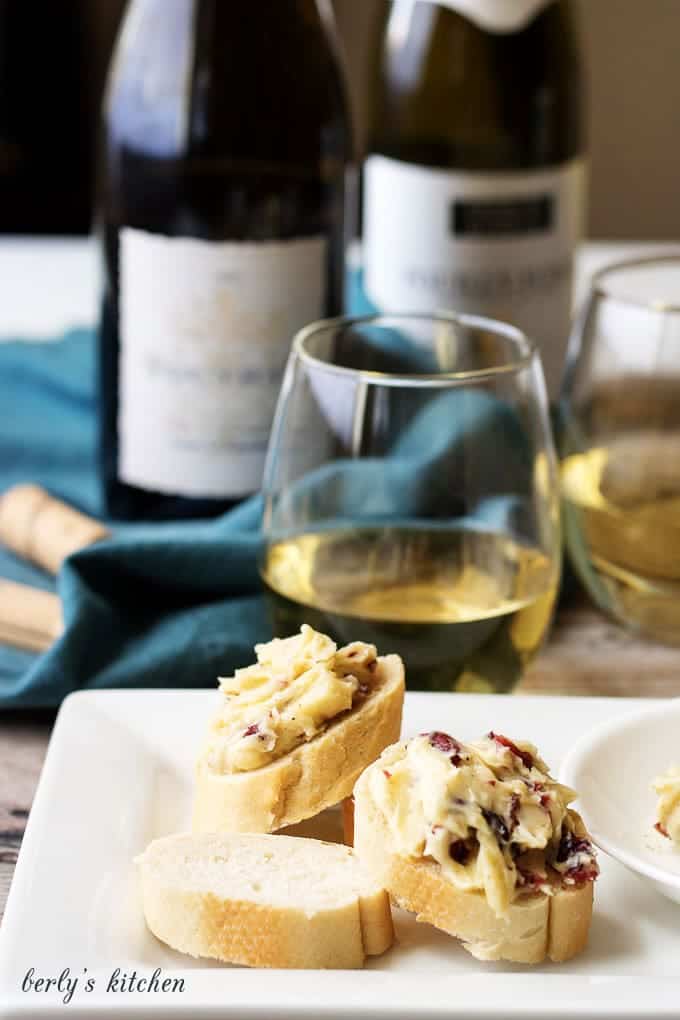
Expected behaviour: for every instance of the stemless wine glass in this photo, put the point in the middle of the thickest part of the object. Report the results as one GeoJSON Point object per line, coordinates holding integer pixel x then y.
{"type": "Point", "coordinates": [620, 471]}
{"type": "Point", "coordinates": [411, 495]}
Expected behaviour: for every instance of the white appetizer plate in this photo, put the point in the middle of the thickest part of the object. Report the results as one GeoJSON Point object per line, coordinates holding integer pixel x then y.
{"type": "Point", "coordinates": [118, 773]}
{"type": "Point", "coordinates": [612, 766]}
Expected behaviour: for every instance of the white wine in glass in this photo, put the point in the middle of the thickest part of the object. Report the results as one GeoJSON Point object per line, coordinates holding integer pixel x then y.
{"type": "Point", "coordinates": [620, 471]}
{"type": "Point", "coordinates": [424, 519]}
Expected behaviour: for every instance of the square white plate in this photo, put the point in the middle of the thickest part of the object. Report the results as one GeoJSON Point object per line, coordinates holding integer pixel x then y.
{"type": "Point", "coordinates": [118, 773]}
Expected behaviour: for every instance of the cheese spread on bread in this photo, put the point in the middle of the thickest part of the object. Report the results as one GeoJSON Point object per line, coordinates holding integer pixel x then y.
{"type": "Point", "coordinates": [667, 786]}
{"type": "Point", "coordinates": [487, 812]}
{"type": "Point", "coordinates": [296, 687]}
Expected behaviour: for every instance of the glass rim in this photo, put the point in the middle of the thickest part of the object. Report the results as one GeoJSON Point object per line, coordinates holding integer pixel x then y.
{"type": "Point", "coordinates": [505, 329]}
{"type": "Point", "coordinates": [598, 290]}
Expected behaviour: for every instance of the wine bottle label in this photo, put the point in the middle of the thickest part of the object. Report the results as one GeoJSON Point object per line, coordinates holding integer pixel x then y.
{"type": "Point", "coordinates": [495, 244]}
{"type": "Point", "coordinates": [205, 330]}
{"type": "Point", "coordinates": [494, 15]}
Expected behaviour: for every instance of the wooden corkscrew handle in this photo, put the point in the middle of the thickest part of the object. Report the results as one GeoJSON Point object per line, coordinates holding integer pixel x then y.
{"type": "Point", "coordinates": [29, 617]}
{"type": "Point", "coordinates": [40, 528]}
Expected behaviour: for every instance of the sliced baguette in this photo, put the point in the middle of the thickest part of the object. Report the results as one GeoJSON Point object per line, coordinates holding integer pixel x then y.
{"type": "Point", "coordinates": [538, 925]}
{"type": "Point", "coordinates": [309, 778]}
{"type": "Point", "coordinates": [263, 901]}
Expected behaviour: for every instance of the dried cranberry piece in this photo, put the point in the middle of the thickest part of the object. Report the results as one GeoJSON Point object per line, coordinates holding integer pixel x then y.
{"type": "Point", "coordinates": [583, 873]}
{"type": "Point", "coordinates": [497, 825]}
{"type": "Point", "coordinates": [442, 741]}
{"type": "Point", "coordinates": [459, 851]}
{"type": "Point", "coordinates": [533, 879]}
{"type": "Point", "coordinates": [387, 775]}
{"type": "Point", "coordinates": [544, 800]}
{"type": "Point", "coordinates": [253, 728]}
{"type": "Point", "coordinates": [446, 744]}
{"type": "Point", "coordinates": [514, 810]}
{"type": "Point", "coordinates": [662, 829]}
{"type": "Point", "coordinates": [571, 844]}
{"type": "Point", "coordinates": [524, 756]}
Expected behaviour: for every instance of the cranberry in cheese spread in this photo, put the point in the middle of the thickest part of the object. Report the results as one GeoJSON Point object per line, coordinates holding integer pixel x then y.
{"type": "Point", "coordinates": [667, 787]}
{"type": "Point", "coordinates": [487, 812]}
{"type": "Point", "coordinates": [296, 687]}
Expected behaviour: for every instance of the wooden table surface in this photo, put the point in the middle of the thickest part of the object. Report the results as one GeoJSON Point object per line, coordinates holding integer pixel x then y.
{"type": "Point", "coordinates": [587, 655]}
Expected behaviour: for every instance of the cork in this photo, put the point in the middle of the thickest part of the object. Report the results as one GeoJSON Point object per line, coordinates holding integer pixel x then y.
{"type": "Point", "coordinates": [38, 527]}
{"type": "Point", "coordinates": [29, 618]}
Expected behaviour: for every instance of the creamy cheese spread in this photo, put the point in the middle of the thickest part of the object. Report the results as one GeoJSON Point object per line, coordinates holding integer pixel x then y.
{"type": "Point", "coordinates": [297, 685]}
{"type": "Point", "coordinates": [487, 812]}
{"type": "Point", "coordinates": [667, 787]}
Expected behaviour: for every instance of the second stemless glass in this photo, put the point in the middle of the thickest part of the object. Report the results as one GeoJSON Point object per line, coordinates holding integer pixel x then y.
{"type": "Point", "coordinates": [411, 497]}
{"type": "Point", "coordinates": [620, 471]}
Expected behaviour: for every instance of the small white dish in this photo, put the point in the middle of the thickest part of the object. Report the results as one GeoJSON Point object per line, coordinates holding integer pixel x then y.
{"type": "Point", "coordinates": [613, 766]}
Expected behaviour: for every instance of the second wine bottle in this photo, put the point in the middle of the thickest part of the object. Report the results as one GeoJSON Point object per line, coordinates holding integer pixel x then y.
{"type": "Point", "coordinates": [222, 215]}
{"type": "Point", "coordinates": [474, 180]}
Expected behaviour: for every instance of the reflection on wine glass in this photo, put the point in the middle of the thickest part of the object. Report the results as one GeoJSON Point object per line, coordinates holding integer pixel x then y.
{"type": "Point", "coordinates": [620, 471]}
{"type": "Point", "coordinates": [411, 497]}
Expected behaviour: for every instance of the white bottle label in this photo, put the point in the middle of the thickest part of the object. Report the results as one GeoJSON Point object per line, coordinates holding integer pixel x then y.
{"type": "Point", "coordinates": [495, 244]}
{"type": "Point", "coordinates": [205, 330]}
{"type": "Point", "coordinates": [493, 15]}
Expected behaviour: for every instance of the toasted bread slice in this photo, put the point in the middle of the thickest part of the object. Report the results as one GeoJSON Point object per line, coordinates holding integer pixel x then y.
{"type": "Point", "coordinates": [311, 777]}
{"type": "Point", "coordinates": [264, 901]}
{"type": "Point", "coordinates": [538, 925]}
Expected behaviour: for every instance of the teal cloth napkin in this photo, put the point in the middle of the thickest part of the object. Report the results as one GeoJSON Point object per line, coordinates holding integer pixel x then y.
{"type": "Point", "coordinates": [176, 605]}
{"type": "Point", "coordinates": [154, 606]}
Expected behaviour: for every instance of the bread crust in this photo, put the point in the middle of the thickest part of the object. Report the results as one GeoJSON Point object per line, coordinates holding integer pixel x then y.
{"type": "Point", "coordinates": [538, 925]}
{"type": "Point", "coordinates": [348, 821]}
{"type": "Point", "coordinates": [309, 778]}
{"type": "Point", "coordinates": [238, 930]}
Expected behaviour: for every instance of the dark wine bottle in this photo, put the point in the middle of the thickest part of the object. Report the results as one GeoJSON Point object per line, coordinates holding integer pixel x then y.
{"type": "Point", "coordinates": [222, 216]}
{"type": "Point", "coordinates": [474, 180]}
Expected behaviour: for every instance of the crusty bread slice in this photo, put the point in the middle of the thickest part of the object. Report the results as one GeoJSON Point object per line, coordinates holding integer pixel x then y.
{"type": "Point", "coordinates": [263, 901]}
{"type": "Point", "coordinates": [309, 778]}
{"type": "Point", "coordinates": [538, 925]}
